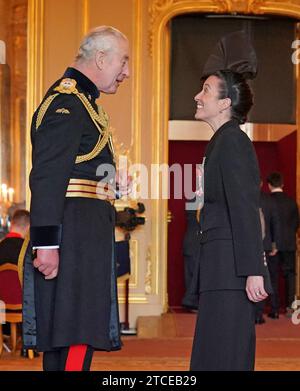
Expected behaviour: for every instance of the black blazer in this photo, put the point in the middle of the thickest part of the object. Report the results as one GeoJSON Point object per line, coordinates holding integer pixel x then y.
{"type": "Point", "coordinates": [289, 221]}
{"type": "Point", "coordinates": [272, 223]}
{"type": "Point", "coordinates": [231, 237]}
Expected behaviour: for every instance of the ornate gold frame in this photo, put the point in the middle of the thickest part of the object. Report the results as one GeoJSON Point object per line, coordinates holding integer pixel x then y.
{"type": "Point", "coordinates": [161, 12]}
{"type": "Point", "coordinates": [35, 50]}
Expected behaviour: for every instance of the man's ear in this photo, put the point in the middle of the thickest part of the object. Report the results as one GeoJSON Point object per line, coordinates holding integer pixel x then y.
{"type": "Point", "coordinates": [99, 59]}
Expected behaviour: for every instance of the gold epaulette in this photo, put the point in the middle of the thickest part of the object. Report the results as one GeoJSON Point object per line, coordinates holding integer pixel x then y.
{"type": "Point", "coordinates": [67, 86]}
{"type": "Point", "coordinates": [100, 120]}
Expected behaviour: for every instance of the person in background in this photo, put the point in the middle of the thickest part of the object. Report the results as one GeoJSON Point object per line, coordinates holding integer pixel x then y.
{"type": "Point", "coordinates": [288, 213]}
{"type": "Point", "coordinates": [11, 245]}
{"type": "Point", "coordinates": [10, 248]}
{"type": "Point", "coordinates": [190, 246]}
{"type": "Point", "coordinates": [270, 238]}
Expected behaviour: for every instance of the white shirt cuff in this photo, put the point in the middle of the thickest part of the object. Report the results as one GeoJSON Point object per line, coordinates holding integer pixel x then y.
{"type": "Point", "coordinates": [45, 247]}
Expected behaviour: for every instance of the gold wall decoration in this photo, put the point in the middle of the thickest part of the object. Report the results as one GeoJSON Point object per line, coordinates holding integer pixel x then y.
{"type": "Point", "coordinates": [85, 16]}
{"type": "Point", "coordinates": [137, 71]}
{"type": "Point", "coordinates": [134, 258]}
{"type": "Point", "coordinates": [35, 50]}
{"type": "Point", "coordinates": [18, 74]}
{"type": "Point", "coordinates": [148, 276]}
{"type": "Point", "coordinates": [161, 12]}
{"type": "Point", "coordinates": [13, 74]}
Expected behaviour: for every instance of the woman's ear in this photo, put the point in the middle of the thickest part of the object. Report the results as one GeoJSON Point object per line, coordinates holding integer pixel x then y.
{"type": "Point", "coordinates": [224, 103]}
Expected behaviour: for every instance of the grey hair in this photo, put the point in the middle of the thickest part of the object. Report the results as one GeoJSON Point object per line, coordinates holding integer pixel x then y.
{"type": "Point", "coordinates": [100, 38]}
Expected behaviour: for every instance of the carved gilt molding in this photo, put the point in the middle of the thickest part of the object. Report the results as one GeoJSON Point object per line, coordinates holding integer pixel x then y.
{"type": "Point", "coordinates": [148, 277]}
{"type": "Point", "coordinates": [161, 11]}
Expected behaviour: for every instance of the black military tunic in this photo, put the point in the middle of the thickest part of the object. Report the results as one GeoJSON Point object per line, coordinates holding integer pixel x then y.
{"type": "Point", "coordinates": [79, 306]}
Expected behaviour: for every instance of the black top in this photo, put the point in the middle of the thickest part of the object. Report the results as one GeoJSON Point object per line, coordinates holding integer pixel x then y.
{"type": "Point", "coordinates": [287, 210]}
{"type": "Point", "coordinates": [272, 224]}
{"type": "Point", "coordinates": [10, 249]}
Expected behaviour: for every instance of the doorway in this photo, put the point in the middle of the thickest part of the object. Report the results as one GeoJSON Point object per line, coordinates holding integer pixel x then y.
{"type": "Point", "coordinates": [272, 156]}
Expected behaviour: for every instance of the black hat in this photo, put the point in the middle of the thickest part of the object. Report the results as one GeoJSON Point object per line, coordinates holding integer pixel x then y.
{"type": "Point", "coordinates": [234, 52]}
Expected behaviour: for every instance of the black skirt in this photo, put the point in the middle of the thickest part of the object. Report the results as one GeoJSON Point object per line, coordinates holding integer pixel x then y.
{"type": "Point", "coordinates": [80, 305]}
{"type": "Point", "coordinates": [225, 332]}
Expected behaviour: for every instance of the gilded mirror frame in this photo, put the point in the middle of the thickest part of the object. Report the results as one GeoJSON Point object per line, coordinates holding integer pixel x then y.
{"type": "Point", "coordinates": [161, 12]}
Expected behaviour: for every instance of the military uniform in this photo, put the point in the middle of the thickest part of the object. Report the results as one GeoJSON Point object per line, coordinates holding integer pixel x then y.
{"type": "Point", "coordinates": [70, 139]}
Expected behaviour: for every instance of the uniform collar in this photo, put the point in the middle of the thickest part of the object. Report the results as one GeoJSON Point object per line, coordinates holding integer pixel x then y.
{"type": "Point", "coordinates": [85, 83]}
{"type": "Point", "coordinates": [13, 235]}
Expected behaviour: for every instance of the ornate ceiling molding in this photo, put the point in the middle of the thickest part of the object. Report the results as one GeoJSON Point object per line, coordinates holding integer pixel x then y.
{"type": "Point", "coordinates": [158, 8]}
{"type": "Point", "coordinates": [161, 11]}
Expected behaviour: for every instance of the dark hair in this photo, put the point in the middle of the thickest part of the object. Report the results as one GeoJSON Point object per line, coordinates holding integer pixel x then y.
{"type": "Point", "coordinates": [234, 86]}
{"type": "Point", "coordinates": [21, 218]}
{"type": "Point", "coordinates": [275, 179]}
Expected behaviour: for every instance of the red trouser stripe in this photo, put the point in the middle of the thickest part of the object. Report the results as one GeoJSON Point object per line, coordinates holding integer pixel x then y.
{"type": "Point", "coordinates": [75, 358]}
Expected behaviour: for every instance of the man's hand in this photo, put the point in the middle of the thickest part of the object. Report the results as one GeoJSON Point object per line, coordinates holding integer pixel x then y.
{"type": "Point", "coordinates": [47, 262]}
{"type": "Point", "coordinates": [255, 288]}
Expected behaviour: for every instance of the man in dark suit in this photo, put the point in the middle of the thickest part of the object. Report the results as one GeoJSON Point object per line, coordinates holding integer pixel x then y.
{"type": "Point", "coordinates": [271, 233]}
{"type": "Point", "coordinates": [288, 213]}
{"type": "Point", "coordinates": [190, 245]}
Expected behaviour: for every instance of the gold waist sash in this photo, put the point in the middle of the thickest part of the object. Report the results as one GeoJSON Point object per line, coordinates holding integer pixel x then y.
{"type": "Point", "coordinates": [90, 189]}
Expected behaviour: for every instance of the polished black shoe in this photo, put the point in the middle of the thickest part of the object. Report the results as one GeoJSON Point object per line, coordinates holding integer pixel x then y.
{"type": "Point", "coordinates": [273, 315]}
{"type": "Point", "coordinates": [260, 320]}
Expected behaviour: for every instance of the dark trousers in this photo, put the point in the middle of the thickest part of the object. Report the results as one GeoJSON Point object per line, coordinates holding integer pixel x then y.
{"type": "Point", "coordinates": [55, 360]}
{"type": "Point", "coordinates": [189, 300]}
{"type": "Point", "coordinates": [286, 260]}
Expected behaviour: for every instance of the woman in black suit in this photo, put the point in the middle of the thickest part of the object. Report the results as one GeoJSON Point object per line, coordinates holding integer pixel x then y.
{"type": "Point", "coordinates": [231, 260]}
